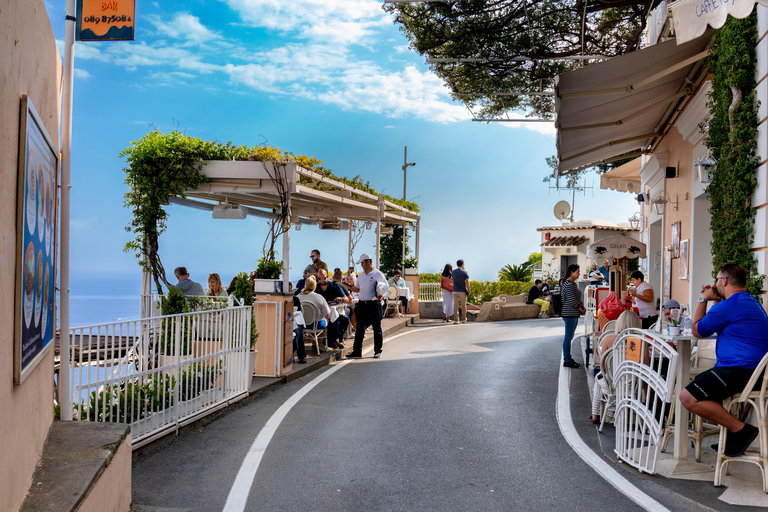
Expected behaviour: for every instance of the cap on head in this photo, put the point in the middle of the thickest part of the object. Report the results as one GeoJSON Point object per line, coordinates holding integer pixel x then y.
{"type": "Point", "coordinates": [363, 257]}
{"type": "Point", "coordinates": [671, 304]}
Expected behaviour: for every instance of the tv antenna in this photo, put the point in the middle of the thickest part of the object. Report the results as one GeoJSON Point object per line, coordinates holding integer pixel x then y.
{"type": "Point", "coordinates": [575, 188]}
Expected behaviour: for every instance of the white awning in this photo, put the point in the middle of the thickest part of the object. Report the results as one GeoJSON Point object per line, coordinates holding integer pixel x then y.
{"type": "Point", "coordinates": [691, 17]}
{"type": "Point", "coordinates": [625, 178]}
{"type": "Point", "coordinates": [616, 247]}
{"type": "Point", "coordinates": [621, 107]}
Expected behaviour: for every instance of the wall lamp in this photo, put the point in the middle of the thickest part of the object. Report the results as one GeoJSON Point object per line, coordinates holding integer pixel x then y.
{"type": "Point", "coordinates": [659, 203]}
{"type": "Point", "coordinates": [706, 166]}
{"type": "Point", "coordinates": [635, 220]}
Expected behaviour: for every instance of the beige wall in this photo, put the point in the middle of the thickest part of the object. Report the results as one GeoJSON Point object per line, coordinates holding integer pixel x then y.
{"type": "Point", "coordinates": [680, 155]}
{"type": "Point", "coordinates": [112, 491]}
{"type": "Point", "coordinates": [31, 65]}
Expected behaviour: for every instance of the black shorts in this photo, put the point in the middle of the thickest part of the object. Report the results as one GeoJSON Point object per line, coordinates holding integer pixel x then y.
{"type": "Point", "coordinates": [717, 384]}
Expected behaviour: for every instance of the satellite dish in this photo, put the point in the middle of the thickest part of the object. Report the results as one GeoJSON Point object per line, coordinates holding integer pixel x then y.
{"type": "Point", "coordinates": [562, 209]}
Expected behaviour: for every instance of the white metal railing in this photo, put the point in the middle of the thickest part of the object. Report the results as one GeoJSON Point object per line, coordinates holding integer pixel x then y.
{"type": "Point", "coordinates": [160, 373]}
{"type": "Point", "coordinates": [151, 303]}
{"type": "Point", "coordinates": [430, 291]}
{"type": "Point", "coordinates": [645, 367]}
{"type": "Point", "coordinates": [590, 305]}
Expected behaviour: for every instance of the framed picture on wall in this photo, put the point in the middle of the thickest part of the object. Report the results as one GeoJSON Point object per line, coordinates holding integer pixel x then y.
{"type": "Point", "coordinates": [36, 243]}
{"type": "Point", "coordinates": [667, 273]}
{"type": "Point", "coordinates": [676, 239]}
{"type": "Point", "coordinates": [683, 262]}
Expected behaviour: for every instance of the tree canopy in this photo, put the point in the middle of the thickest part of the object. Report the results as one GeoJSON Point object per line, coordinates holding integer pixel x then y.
{"type": "Point", "coordinates": [511, 46]}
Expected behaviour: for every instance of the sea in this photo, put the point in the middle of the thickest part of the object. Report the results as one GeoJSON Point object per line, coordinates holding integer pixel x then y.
{"type": "Point", "coordinates": [102, 298]}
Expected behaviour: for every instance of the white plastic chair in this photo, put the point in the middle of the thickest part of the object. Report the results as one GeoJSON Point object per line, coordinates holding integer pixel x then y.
{"type": "Point", "coordinates": [758, 400]}
{"type": "Point", "coordinates": [312, 319]}
{"type": "Point", "coordinates": [393, 301]}
{"type": "Point", "coordinates": [642, 390]}
{"type": "Point", "coordinates": [607, 392]}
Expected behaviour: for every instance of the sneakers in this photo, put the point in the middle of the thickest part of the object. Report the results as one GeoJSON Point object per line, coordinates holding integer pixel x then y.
{"type": "Point", "coordinates": [353, 356]}
{"type": "Point", "coordinates": [571, 364]}
{"type": "Point", "coordinates": [738, 442]}
{"type": "Point", "coordinates": [455, 322]}
{"type": "Point", "coordinates": [377, 355]}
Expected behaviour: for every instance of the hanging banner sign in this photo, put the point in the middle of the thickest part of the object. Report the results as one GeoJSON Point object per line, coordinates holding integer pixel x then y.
{"type": "Point", "coordinates": [105, 21]}
{"type": "Point", "coordinates": [691, 17]}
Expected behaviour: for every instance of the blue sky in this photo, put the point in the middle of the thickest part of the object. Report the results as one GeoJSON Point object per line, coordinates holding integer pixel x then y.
{"type": "Point", "coordinates": [329, 78]}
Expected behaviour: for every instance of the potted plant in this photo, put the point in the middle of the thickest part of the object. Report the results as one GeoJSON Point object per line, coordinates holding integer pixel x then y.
{"type": "Point", "coordinates": [674, 322]}
{"type": "Point", "coordinates": [266, 277]}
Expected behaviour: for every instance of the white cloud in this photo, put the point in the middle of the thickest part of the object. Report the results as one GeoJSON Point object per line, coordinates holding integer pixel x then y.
{"type": "Point", "coordinates": [545, 128]}
{"type": "Point", "coordinates": [184, 26]}
{"type": "Point", "coordinates": [82, 74]}
{"type": "Point", "coordinates": [344, 21]}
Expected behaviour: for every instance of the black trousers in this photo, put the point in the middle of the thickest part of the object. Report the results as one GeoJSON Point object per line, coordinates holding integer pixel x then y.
{"type": "Point", "coordinates": [368, 313]}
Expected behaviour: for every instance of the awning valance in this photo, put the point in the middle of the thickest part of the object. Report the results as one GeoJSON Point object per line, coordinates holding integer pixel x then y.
{"type": "Point", "coordinates": [622, 106]}
{"type": "Point", "coordinates": [625, 178]}
{"type": "Point", "coordinates": [616, 247]}
{"type": "Point", "coordinates": [564, 241]}
{"type": "Point", "coordinates": [691, 17]}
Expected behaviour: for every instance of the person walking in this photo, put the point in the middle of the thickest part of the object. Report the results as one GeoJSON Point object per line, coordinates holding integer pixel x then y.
{"type": "Point", "coordinates": [573, 308]}
{"type": "Point", "coordinates": [460, 291]}
{"type": "Point", "coordinates": [371, 286]}
{"type": "Point", "coordinates": [446, 284]}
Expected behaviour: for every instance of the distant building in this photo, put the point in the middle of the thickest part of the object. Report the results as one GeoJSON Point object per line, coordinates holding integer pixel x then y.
{"type": "Point", "coordinates": [567, 244]}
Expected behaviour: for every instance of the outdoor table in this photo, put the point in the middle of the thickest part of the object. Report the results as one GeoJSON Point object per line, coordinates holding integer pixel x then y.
{"type": "Point", "coordinates": [406, 292]}
{"type": "Point", "coordinates": [683, 343]}
{"type": "Point", "coordinates": [336, 311]}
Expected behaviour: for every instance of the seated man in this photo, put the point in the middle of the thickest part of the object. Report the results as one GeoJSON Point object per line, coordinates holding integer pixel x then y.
{"type": "Point", "coordinates": [534, 297]}
{"type": "Point", "coordinates": [595, 277]}
{"type": "Point", "coordinates": [332, 292]}
{"type": "Point", "coordinates": [741, 324]}
{"type": "Point", "coordinates": [605, 271]}
{"type": "Point", "coordinates": [546, 289]}
{"type": "Point", "coordinates": [399, 282]}
{"type": "Point", "coordinates": [188, 287]}
{"type": "Point", "coordinates": [338, 278]}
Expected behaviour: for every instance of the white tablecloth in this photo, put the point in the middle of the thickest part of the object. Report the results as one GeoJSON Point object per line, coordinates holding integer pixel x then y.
{"type": "Point", "coordinates": [405, 292]}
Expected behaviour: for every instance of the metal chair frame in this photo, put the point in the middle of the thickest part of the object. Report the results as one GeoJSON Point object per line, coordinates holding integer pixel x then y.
{"type": "Point", "coordinates": [312, 319]}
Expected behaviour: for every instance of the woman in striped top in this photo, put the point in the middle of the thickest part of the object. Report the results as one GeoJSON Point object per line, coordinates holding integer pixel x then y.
{"type": "Point", "coordinates": [573, 308]}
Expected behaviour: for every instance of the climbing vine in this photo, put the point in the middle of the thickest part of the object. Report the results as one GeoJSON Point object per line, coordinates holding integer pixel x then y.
{"type": "Point", "coordinates": [732, 140]}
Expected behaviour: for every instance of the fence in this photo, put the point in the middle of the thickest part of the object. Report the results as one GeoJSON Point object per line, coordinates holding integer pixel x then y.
{"type": "Point", "coordinates": [160, 373]}
{"type": "Point", "coordinates": [644, 378]}
{"type": "Point", "coordinates": [430, 291]}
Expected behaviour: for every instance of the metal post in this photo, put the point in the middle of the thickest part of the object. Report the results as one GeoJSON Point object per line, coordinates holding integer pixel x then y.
{"type": "Point", "coordinates": [349, 244]}
{"type": "Point", "coordinates": [418, 227]}
{"type": "Point", "coordinates": [287, 238]}
{"type": "Point", "coordinates": [65, 393]}
{"type": "Point", "coordinates": [378, 232]}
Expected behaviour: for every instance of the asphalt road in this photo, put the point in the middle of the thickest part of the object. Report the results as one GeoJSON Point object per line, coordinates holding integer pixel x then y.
{"type": "Point", "coordinates": [450, 418]}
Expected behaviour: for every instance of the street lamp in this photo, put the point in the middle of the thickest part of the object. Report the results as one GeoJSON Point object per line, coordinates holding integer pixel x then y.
{"type": "Point", "coordinates": [634, 221]}
{"type": "Point", "coordinates": [405, 174]}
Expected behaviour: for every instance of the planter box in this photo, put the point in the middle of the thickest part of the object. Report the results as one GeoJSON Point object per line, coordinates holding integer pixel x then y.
{"type": "Point", "coordinates": [411, 271]}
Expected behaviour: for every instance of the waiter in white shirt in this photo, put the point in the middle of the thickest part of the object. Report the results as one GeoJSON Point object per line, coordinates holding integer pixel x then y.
{"type": "Point", "coordinates": [371, 284]}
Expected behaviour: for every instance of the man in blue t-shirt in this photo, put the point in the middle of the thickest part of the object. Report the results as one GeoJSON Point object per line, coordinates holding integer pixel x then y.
{"type": "Point", "coordinates": [460, 292]}
{"type": "Point", "coordinates": [741, 324]}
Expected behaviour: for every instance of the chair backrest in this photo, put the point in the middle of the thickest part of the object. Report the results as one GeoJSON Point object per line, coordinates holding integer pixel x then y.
{"type": "Point", "coordinates": [610, 326]}
{"type": "Point", "coordinates": [394, 293]}
{"type": "Point", "coordinates": [311, 315]}
{"type": "Point", "coordinates": [759, 371]}
{"type": "Point", "coordinates": [643, 384]}
{"type": "Point", "coordinates": [606, 367]}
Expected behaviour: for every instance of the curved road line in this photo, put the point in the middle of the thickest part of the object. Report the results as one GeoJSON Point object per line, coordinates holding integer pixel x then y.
{"type": "Point", "coordinates": [238, 494]}
{"type": "Point", "coordinates": [609, 474]}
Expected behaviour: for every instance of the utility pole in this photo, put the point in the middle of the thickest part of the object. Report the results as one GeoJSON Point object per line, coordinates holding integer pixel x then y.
{"type": "Point", "coordinates": [405, 174]}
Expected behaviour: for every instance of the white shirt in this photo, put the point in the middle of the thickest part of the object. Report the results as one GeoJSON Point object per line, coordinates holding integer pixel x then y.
{"type": "Point", "coordinates": [645, 309]}
{"type": "Point", "coordinates": [366, 282]}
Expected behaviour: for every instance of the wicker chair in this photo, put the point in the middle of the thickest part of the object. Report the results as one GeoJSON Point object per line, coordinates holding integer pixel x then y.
{"type": "Point", "coordinates": [758, 400]}
{"type": "Point", "coordinates": [312, 327]}
{"type": "Point", "coordinates": [393, 301]}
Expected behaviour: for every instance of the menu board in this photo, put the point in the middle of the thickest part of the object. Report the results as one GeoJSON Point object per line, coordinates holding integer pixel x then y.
{"type": "Point", "coordinates": [36, 238]}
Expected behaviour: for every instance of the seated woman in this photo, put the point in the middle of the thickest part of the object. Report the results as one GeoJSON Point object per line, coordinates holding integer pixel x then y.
{"type": "Point", "coordinates": [214, 286]}
{"type": "Point", "coordinates": [627, 320]}
{"type": "Point", "coordinates": [399, 282]}
{"type": "Point", "coordinates": [308, 294]}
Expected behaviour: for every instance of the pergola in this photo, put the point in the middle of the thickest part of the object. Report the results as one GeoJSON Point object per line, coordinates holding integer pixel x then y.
{"type": "Point", "coordinates": [237, 189]}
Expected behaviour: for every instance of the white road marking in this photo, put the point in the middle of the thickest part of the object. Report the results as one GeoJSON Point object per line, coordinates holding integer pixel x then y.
{"type": "Point", "coordinates": [238, 494]}
{"type": "Point", "coordinates": [612, 476]}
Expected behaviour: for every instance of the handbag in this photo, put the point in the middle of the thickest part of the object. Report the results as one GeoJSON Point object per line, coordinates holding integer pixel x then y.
{"type": "Point", "coordinates": [446, 283]}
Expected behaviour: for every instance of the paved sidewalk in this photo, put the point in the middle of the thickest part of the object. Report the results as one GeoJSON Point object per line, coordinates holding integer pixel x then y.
{"type": "Point", "coordinates": [743, 488]}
